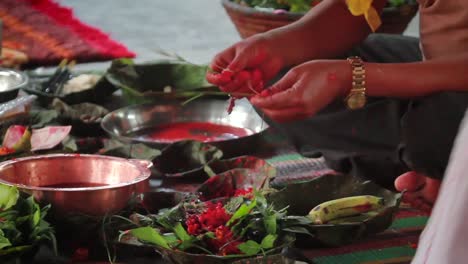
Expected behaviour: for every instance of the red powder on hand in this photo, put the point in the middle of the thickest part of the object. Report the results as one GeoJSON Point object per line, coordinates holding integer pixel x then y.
{"type": "Point", "coordinates": [332, 76]}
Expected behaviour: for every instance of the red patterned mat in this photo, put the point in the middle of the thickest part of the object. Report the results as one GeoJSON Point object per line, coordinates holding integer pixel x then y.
{"type": "Point", "coordinates": [47, 33]}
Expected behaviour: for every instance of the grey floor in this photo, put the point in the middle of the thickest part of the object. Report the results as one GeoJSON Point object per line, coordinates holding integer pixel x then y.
{"type": "Point", "coordinates": [195, 29]}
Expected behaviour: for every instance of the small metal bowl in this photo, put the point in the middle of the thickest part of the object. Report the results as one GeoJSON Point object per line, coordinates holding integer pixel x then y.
{"type": "Point", "coordinates": [77, 184]}
{"type": "Point", "coordinates": [130, 124]}
{"type": "Point", "coordinates": [10, 83]}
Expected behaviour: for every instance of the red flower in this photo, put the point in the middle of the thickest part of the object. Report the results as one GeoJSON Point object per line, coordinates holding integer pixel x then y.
{"type": "Point", "coordinates": [224, 242]}
{"type": "Point", "coordinates": [214, 219]}
{"type": "Point", "coordinates": [193, 226]}
{"type": "Point", "coordinates": [247, 192]}
{"type": "Point", "coordinates": [214, 216]}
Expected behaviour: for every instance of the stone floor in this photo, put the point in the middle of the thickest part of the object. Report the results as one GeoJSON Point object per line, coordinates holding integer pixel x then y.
{"type": "Point", "coordinates": [195, 29]}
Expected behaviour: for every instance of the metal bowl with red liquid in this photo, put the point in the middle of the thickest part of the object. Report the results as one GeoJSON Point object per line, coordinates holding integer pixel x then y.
{"type": "Point", "coordinates": [78, 184]}
{"type": "Point", "coordinates": [162, 123]}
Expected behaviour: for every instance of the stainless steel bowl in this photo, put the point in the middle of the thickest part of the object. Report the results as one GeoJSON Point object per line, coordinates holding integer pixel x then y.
{"type": "Point", "coordinates": [130, 123]}
{"type": "Point", "coordinates": [10, 83]}
{"type": "Point", "coordinates": [91, 185]}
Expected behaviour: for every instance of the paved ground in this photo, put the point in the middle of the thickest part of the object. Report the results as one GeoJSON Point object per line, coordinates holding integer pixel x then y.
{"type": "Point", "coordinates": [195, 29]}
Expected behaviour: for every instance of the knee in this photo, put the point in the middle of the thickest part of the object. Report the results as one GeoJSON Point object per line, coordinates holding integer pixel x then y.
{"type": "Point", "coordinates": [429, 128]}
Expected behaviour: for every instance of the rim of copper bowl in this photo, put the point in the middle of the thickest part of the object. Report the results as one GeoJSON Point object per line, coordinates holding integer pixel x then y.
{"type": "Point", "coordinates": [142, 165]}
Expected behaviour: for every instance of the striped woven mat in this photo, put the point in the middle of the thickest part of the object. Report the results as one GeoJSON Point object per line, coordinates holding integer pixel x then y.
{"type": "Point", "coordinates": [396, 245]}
{"type": "Point", "coordinates": [46, 33]}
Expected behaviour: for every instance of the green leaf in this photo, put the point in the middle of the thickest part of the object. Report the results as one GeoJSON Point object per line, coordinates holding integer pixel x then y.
{"type": "Point", "coordinates": [36, 218]}
{"type": "Point", "coordinates": [179, 230]}
{"type": "Point", "coordinates": [243, 211]}
{"type": "Point", "coordinates": [298, 5]}
{"type": "Point", "coordinates": [268, 241]}
{"type": "Point", "coordinates": [13, 250]}
{"type": "Point", "coordinates": [186, 239]}
{"type": "Point", "coordinates": [297, 230]}
{"type": "Point", "coordinates": [42, 118]}
{"type": "Point", "coordinates": [250, 248]}
{"type": "Point", "coordinates": [4, 242]}
{"type": "Point", "coordinates": [136, 80]}
{"type": "Point", "coordinates": [270, 223]}
{"type": "Point", "coordinates": [134, 151]}
{"type": "Point", "coordinates": [396, 3]}
{"type": "Point", "coordinates": [233, 204]}
{"type": "Point", "coordinates": [150, 235]}
{"type": "Point", "coordinates": [171, 239]}
{"type": "Point", "coordinates": [8, 196]}
{"type": "Point", "coordinates": [210, 235]}
{"type": "Point", "coordinates": [69, 144]}
{"type": "Point", "coordinates": [170, 217]}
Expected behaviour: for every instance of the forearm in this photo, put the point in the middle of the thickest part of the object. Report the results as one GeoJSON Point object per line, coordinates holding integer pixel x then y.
{"type": "Point", "coordinates": [416, 79]}
{"type": "Point", "coordinates": [327, 31]}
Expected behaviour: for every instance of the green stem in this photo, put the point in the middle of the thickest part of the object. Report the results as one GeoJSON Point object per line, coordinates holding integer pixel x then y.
{"type": "Point", "coordinates": [203, 249]}
{"type": "Point", "coordinates": [193, 98]}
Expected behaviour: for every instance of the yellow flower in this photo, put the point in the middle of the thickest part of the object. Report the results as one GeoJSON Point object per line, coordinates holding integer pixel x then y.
{"type": "Point", "coordinates": [364, 7]}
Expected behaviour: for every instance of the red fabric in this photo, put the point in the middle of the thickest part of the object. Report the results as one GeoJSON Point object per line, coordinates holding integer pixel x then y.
{"type": "Point", "coordinates": [48, 33]}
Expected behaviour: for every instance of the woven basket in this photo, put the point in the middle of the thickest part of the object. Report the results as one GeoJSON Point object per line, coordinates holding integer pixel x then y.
{"type": "Point", "coordinates": [250, 21]}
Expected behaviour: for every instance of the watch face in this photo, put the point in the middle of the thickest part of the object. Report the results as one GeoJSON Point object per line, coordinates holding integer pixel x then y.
{"type": "Point", "coordinates": [356, 100]}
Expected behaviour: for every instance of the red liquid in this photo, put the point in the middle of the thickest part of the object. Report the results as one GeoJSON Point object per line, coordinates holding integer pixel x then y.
{"type": "Point", "coordinates": [75, 185]}
{"type": "Point", "coordinates": [200, 131]}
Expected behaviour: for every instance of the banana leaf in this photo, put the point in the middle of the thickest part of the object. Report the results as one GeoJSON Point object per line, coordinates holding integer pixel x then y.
{"type": "Point", "coordinates": [302, 197]}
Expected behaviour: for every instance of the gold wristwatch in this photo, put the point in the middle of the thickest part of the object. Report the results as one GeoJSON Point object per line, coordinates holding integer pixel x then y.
{"type": "Point", "coordinates": [357, 95]}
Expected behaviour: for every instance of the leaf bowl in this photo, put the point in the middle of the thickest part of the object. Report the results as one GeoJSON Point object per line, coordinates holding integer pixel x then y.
{"type": "Point", "coordinates": [99, 93]}
{"type": "Point", "coordinates": [236, 174]}
{"type": "Point", "coordinates": [180, 257]}
{"type": "Point", "coordinates": [186, 159]}
{"type": "Point", "coordinates": [301, 197]}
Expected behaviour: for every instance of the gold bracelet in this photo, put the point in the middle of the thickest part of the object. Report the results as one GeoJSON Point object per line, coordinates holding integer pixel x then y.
{"type": "Point", "coordinates": [357, 95]}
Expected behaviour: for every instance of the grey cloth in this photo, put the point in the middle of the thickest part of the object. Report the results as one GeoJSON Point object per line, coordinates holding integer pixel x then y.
{"type": "Point", "coordinates": [388, 136]}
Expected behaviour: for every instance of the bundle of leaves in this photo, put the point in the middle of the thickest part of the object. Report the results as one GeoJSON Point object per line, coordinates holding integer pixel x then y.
{"type": "Point", "coordinates": [243, 225]}
{"type": "Point", "coordinates": [22, 224]}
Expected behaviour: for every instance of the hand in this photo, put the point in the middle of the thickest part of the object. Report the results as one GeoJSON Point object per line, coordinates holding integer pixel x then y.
{"type": "Point", "coordinates": [305, 90]}
{"type": "Point", "coordinates": [246, 65]}
{"type": "Point", "coordinates": [421, 191]}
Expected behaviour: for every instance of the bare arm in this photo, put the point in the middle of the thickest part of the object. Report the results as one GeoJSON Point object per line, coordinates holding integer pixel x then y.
{"type": "Point", "coordinates": [311, 86]}
{"type": "Point", "coordinates": [417, 79]}
{"type": "Point", "coordinates": [328, 30]}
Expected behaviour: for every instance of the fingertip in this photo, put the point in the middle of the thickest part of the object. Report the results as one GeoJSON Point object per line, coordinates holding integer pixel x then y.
{"type": "Point", "coordinates": [265, 92]}
{"type": "Point", "coordinates": [255, 100]}
{"type": "Point", "coordinates": [212, 77]}
{"type": "Point", "coordinates": [409, 181]}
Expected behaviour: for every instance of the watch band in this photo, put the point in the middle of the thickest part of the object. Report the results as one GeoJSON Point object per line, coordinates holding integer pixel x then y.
{"type": "Point", "coordinates": [357, 95]}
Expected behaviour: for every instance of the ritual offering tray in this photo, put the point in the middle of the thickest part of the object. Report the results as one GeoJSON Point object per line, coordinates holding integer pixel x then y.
{"type": "Point", "coordinates": [236, 217]}
{"type": "Point", "coordinates": [206, 120]}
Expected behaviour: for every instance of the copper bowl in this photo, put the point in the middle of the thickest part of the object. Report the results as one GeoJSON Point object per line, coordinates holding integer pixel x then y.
{"type": "Point", "coordinates": [91, 185]}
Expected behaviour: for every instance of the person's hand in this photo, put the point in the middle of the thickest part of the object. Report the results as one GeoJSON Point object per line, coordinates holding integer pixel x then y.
{"type": "Point", "coordinates": [305, 90]}
{"type": "Point", "coordinates": [420, 191]}
{"type": "Point", "coordinates": [245, 66]}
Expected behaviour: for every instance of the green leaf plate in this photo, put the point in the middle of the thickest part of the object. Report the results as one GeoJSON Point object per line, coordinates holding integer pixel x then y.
{"type": "Point", "coordinates": [97, 94]}
{"type": "Point", "coordinates": [303, 196]}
